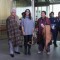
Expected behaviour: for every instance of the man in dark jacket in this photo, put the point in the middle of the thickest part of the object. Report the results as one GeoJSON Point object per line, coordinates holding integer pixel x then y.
{"type": "Point", "coordinates": [53, 28]}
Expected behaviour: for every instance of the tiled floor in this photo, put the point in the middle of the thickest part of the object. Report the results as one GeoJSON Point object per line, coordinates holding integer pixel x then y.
{"type": "Point", "coordinates": [4, 53]}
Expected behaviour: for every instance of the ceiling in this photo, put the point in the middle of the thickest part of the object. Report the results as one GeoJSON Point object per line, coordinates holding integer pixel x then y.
{"type": "Point", "coordinates": [37, 2]}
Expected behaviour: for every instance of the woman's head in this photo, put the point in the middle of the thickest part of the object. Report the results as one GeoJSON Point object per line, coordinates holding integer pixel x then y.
{"type": "Point", "coordinates": [43, 14]}
{"type": "Point", "coordinates": [27, 13]}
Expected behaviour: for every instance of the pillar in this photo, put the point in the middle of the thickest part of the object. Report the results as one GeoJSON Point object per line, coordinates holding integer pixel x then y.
{"type": "Point", "coordinates": [33, 9]}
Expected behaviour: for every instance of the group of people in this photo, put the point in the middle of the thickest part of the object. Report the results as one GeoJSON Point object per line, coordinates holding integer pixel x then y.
{"type": "Point", "coordinates": [45, 35]}
{"type": "Point", "coordinates": [46, 28]}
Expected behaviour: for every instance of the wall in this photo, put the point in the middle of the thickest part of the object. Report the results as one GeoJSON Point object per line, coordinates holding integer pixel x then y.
{"type": "Point", "coordinates": [5, 7]}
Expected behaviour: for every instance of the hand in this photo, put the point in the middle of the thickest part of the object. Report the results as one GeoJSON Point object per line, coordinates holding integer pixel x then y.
{"type": "Point", "coordinates": [23, 33]}
{"type": "Point", "coordinates": [36, 29]}
{"type": "Point", "coordinates": [34, 35]}
{"type": "Point", "coordinates": [42, 26]}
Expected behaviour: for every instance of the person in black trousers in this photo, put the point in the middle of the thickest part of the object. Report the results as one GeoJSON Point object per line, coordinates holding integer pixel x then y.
{"type": "Point", "coordinates": [27, 29]}
{"type": "Point", "coordinates": [53, 28]}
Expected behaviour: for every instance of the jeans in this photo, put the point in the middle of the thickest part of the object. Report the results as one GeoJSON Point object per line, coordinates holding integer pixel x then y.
{"type": "Point", "coordinates": [12, 48]}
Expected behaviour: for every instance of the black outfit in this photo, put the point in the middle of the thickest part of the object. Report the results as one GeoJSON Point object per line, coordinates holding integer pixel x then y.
{"type": "Point", "coordinates": [54, 29]}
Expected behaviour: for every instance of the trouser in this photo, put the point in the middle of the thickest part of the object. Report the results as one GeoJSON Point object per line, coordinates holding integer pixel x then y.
{"type": "Point", "coordinates": [41, 45]}
{"type": "Point", "coordinates": [27, 43]}
{"type": "Point", "coordinates": [12, 48]}
{"type": "Point", "coordinates": [54, 34]}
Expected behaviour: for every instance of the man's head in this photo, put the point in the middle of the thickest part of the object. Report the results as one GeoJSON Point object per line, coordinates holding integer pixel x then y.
{"type": "Point", "coordinates": [52, 14]}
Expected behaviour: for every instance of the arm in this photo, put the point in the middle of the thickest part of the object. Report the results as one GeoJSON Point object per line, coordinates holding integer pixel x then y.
{"type": "Point", "coordinates": [22, 25]}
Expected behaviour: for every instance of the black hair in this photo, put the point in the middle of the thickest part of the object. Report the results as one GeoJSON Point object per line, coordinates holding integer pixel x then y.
{"type": "Point", "coordinates": [23, 13]}
{"type": "Point", "coordinates": [52, 13]}
{"type": "Point", "coordinates": [44, 12]}
{"type": "Point", "coordinates": [29, 14]}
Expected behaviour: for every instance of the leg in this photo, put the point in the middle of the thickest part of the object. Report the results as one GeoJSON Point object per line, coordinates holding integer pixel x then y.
{"type": "Point", "coordinates": [54, 33]}
{"type": "Point", "coordinates": [41, 45]}
{"type": "Point", "coordinates": [48, 49]}
{"type": "Point", "coordinates": [29, 45]}
{"type": "Point", "coordinates": [25, 44]}
{"type": "Point", "coordinates": [17, 49]}
{"type": "Point", "coordinates": [55, 38]}
{"type": "Point", "coordinates": [29, 48]}
{"type": "Point", "coordinates": [39, 49]}
{"type": "Point", "coordinates": [11, 49]}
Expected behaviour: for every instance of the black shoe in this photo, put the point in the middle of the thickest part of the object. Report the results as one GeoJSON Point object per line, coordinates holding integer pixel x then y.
{"type": "Point", "coordinates": [55, 45]}
{"type": "Point", "coordinates": [21, 46]}
{"type": "Point", "coordinates": [25, 53]}
{"type": "Point", "coordinates": [29, 53]}
{"type": "Point", "coordinates": [12, 55]}
{"type": "Point", "coordinates": [17, 52]}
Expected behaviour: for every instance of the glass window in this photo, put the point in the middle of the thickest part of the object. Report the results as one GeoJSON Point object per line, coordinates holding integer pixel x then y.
{"type": "Point", "coordinates": [44, 8]}
{"type": "Point", "coordinates": [56, 9]}
{"type": "Point", "coordinates": [51, 8]}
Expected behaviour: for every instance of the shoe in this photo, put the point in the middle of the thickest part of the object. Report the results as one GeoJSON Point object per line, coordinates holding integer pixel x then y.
{"type": "Point", "coordinates": [25, 53]}
{"type": "Point", "coordinates": [55, 45]}
{"type": "Point", "coordinates": [17, 52]}
{"type": "Point", "coordinates": [39, 52]}
{"type": "Point", "coordinates": [21, 46]}
{"type": "Point", "coordinates": [29, 53]}
{"type": "Point", "coordinates": [48, 53]}
{"type": "Point", "coordinates": [12, 55]}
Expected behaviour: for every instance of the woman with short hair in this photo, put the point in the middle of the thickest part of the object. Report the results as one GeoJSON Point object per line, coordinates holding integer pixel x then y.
{"type": "Point", "coordinates": [44, 33]}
